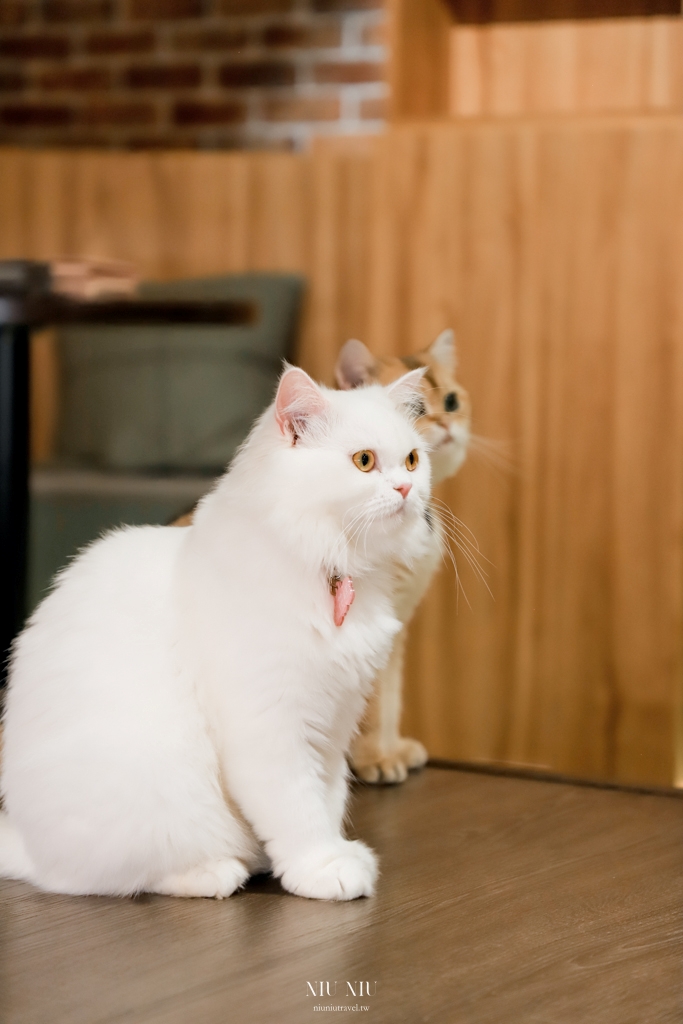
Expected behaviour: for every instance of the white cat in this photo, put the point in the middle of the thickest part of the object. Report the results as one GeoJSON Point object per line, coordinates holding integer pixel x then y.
{"type": "Point", "coordinates": [180, 706]}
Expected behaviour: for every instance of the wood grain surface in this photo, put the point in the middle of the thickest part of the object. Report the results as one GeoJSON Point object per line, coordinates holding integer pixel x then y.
{"type": "Point", "coordinates": [500, 900]}
{"type": "Point", "coordinates": [489, 62]}
{"type": "Point", "coordinates": [557, 251]}
{"type": "Point", "coordinates": [170, 213]}
{"type": "Point", "coordinates": [566, 67]}
{"type": "Point", "coordinates": [44, 398]}
{"type": "Point", "coordinates": [487, 11]}
{"type": "Point", "coordinates": [555, 248]}
{"type": "Point", "coordinates": [419, 56]}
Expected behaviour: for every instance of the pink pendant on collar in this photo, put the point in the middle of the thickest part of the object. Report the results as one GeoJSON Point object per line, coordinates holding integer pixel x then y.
{"type": "Point", "coordinates": [343, 593]}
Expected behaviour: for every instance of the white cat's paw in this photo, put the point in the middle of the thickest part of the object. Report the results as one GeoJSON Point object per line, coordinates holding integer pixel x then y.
{"type": "Point", "coordinates": [213, 881]}
{"type": "Point", "coordinates": [374, 765]}
{"type": "Point", "coordinates": [339, 871]}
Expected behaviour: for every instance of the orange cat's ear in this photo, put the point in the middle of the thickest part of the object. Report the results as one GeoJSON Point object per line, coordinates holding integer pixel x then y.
{"type": "Point", "coordinates": [443, 351]}
{"type": "Point", "coordinates": [407, 392]}
{"type": "Point", "coordinates": [355, 365]}
{"type": "Point", "coordinates": [298, 400]}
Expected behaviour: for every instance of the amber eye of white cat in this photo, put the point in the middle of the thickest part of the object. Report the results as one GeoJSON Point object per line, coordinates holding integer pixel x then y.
{"type": "Point", "coordinates": [364, 460]}
{"type": "Point", "coordinates": [412, 461]}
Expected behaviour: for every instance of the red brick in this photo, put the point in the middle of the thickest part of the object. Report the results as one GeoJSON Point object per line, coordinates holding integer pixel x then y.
{"type": "Point", "coordinates": [220, 39]}
{"type": "Point", "coordinates": [256, 73]}
{"type": "Point", "coordinates": [188, 113]}
{"type": "Point", "coordinates": [91, 139]}
{"type": "Point", "coordinates": [35, 115]}
{"type": "Point", "coordinates": [162, 142]}
{"type": "Point", "coordinates": [77, 10]}
{"type": "Point", "coordinates": [120, 42]}
{"type": "Point", "coordinates": [347, 5]}
{"type": "Point", "coordinates": [11, 81]}
{"type": "Point", "coordinates": [302, 109]}
{"type": "Point", "coordinates": [302, 35]}
{"type": "Point", "coordinates": [375, 110]}
{"type": "Point", "coordinates": [153, 10]}
{"type": "Point", "coordinates": [256, 6]}
{"type": "Point", "coordinates": [34, 46]}
{"type": "Point", "coordinates": [164, 76]}
{"type": "Point", "coordinates": [118, 113]}
{"type": "Point", "coordinates": [13, 12]}
{"type": "Point", "coordinates": [75, 78]}
{"type": "Point", "coordinates": [351, 72]}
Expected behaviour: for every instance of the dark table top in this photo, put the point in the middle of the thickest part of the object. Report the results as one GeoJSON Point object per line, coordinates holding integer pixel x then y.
{"type": "Point", "coordinates": [59, 310]}
{"type": "Point", "coordinates": [501, 901]}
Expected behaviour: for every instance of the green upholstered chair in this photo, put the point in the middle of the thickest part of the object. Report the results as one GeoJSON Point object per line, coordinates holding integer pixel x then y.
{"type": "Point", "coordinates": [150, 415]}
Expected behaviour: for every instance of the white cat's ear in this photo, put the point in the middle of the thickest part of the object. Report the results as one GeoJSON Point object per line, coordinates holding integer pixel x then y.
{"type": "Point", "coordinates": [407, 392]}
{"type": "Point", "coordinates": [298, 400]}
{"type": "Point", "coordinates": [443, 350]}
{"type": "Point", "coordinates": [355, 365]}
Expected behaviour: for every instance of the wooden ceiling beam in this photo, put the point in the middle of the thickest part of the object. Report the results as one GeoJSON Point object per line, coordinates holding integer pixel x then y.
{"type": "Point", "coordinates": [482, 12]}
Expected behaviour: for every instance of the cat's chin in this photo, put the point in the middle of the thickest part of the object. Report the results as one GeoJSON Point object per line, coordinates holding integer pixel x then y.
{"type": "Point", "coordinates": [401, 530]}
{"type": "Point", "coordinates": [400, 516]}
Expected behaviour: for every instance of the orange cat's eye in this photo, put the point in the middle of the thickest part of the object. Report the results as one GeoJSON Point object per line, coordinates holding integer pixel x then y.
{"type": "Point", "coordinates": [412, 461]}
{"type": "Point", "coordinates": [364, 460]}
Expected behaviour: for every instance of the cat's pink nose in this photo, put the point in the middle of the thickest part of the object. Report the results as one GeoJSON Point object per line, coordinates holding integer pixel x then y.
{"type": "Point", "coordinates": [404, 489]}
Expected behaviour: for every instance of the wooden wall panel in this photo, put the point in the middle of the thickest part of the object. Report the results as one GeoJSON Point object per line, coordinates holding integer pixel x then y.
{"type": "Point", "coordinates": [342, 209]}
{"type": "Point", "coordinates": [556, 250]}
{"type": "Point", "coordinates": [446, 255]}
{"type": "Point", "coordinates": [169, 213]}
{"type": "Point", "coordinates": [44, 397]}
{"type": "Point", "coordinates": [570, 67]}
{"type": "Point", "coordinates": [418, 57]}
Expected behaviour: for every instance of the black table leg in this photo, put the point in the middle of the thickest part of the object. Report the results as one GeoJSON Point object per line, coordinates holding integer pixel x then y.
{"type": "Point", "coordinates": [14, 428]}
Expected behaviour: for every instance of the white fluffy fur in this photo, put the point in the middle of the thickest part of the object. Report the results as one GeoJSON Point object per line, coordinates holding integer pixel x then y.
{"type": "Point", "coordinates": [181, 704]}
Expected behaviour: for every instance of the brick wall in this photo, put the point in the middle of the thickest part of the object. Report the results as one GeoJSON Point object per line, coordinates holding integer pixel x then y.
{"type": "Point", "coordinates": [199, 73]}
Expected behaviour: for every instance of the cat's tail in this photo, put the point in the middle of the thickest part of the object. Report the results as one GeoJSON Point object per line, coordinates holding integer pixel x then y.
{"type": "Point", "coordinates": [14, 860]}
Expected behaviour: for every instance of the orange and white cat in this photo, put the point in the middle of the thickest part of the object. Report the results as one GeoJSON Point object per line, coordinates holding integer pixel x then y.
{"type": "Point", "coordinates": [379, 753]}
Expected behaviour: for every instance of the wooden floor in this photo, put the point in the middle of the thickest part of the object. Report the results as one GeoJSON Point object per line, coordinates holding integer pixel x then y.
{"type": "Point", "coordinates": [501, 901]}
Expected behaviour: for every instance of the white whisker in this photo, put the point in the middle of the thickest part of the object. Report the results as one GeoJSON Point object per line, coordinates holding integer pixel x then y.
{"type": "Point", "coordinates": [462, 532]}
{"type": "Point", "coordinates": [469, 548]}
{"type": "Point", "coordinates": [498, 454]}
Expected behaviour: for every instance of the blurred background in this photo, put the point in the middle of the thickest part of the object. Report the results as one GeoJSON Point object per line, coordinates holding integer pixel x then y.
{"type": "Point", "coordinates": [384, 169]}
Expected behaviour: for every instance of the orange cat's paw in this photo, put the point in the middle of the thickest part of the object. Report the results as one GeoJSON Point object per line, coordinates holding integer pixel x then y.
{"type": "Point", "coordinates": [373, 765]}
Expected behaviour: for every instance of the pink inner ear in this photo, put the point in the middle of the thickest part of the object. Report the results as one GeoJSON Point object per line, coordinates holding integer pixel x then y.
{"type": "Point", "coordinates": [355, 365]}
{"type": "Point", "coordinates": [298, 398]}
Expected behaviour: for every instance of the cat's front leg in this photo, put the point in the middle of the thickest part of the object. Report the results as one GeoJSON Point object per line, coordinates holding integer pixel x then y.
{"type": "Point", "coordinates": [295, 808]}
{"type": "Point", "coordinates": [339, 870]}
{"type": "Point", "coordinates": [379, 753]}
